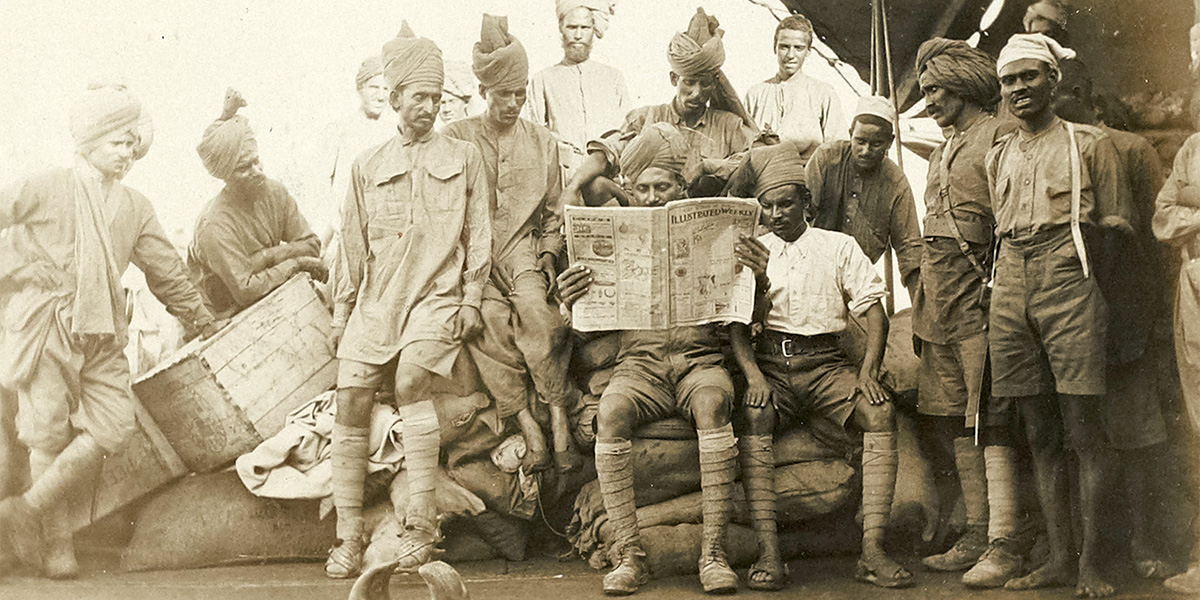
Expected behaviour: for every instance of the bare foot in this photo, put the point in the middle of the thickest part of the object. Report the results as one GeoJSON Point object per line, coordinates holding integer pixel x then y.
{"type": "Point", "coordinates": [769, 573]}
{"type": "Point", "coordinates": [1048, 575]}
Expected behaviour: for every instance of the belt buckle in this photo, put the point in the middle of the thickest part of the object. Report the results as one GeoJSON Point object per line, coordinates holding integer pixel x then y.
{"type": "Point", "coordinates": [786, 348]}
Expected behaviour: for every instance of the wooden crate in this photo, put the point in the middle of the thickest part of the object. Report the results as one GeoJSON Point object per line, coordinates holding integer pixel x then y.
{"type": "Point", "coordinates": [217, 399]}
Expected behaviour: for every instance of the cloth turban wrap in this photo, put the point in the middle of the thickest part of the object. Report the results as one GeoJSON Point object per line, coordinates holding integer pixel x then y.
{"type": "Point", "coordinates": [224, 143]}
{"type": "Point", "coordinates": [602, 11]}
{"type": "Point", "coordinates": [459, 80]}
{"type": "Point", "coordinates": [107, 108]}
{"type": "Point", "coordinates": [1033, 45]}
{"type": "Point", "coordinates": [777, 165]}
{"type": "Point", "coordinates": [408, 59]}
{"type": "Point", "coordinates": [1054, 12]}
{"type": "Point", "coordinates": [955, 66]}
{"type": "Point", "coordinates": [698, 50]}
{"type": "Point", "coordinates": [659, 145]}
{"type": "Point", "coordinates": [499, 58]}
{"type": "Point", "coordinates": [370, 68]}
{"type": "Point", "coordinates": [876, 106]}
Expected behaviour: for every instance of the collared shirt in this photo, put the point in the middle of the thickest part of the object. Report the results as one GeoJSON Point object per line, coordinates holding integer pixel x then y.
{"type": "Point", "coordinates": [230, 257]}
{"type": "Point", "coordinates": [416, 243]}
{"type": "Point", "coordinates": [344, 140]}
{"type": "Point", "coordinates": [967, 198]}
{"type": "Point", "coordinates": [1030, 177]}
{"type": "Point", "coordinates": [877, 209]}
{"type": "Point", "coordinates": [801, 108]}
{"type": "Point", "coordinates": [817, 281]}
{"type": "Point", "coordinates": [38, 221]}
{"type": "Point", "coordinates": [578, 102]}
{"type": "Point", "coordinates": [717, 133]}
{"type": "Point", "coordinates": [524, 181]}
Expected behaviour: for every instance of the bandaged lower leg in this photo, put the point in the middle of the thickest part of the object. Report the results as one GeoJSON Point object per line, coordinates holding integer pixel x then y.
{"type": "Point", "coordinates": [1001, 467]}
{"type": "Point", "coordinates": [348, 451]}
{"type": "Point", "coordinates": [77, 462]}
{"type": "Point", "coordinates": [972, 477]}
{"type": "Point", "coordinates": [718, 451]}
{"type": "Point", "coordinates": [758, 478]}
{"type": "Point", "coordinates": [59, 561]}
{"type": "Point", "coordinates": [880, 462]}
{"type": "Point", "coordinates": [615, 474]}
{"type": "Point", "coordinates": [422, 439]}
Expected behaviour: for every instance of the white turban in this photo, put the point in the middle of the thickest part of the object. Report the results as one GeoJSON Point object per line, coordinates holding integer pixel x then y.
{"type": "Point", "coordinates": [601, 11]}
{"type": "Point", "coordinates": [876, 106]}
{"type": "Point", "coordinates": [106, 108]}
{"type": "Point", "coordinates": [1033, 45]}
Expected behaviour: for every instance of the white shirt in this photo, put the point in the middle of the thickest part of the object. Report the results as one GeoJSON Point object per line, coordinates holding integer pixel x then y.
{"type": "Point", "coordinates": [818, 279]}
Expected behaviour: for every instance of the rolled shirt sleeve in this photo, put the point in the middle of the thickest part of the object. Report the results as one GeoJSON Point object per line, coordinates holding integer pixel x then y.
{"type": "Point", "coordinates": [860, 282]}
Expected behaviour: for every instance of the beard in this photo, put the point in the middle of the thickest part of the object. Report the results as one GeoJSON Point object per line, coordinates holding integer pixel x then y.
{"type": "Point", "coordinates": [576, 53]}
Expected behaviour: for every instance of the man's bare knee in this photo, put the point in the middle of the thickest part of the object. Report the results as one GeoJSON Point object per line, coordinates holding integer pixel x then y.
{"type": "Point", "coordinates": [616, 417]}
{"type": "Point", "coordinates": [354, 406]}
{"type": "Point", "coordinates": [876, 418]}
{"type": "Point", "coordinates": [757, 420]}
{"type": "Point", "coordinates": [710, 408]}
{"type": "Point", "coordinates": [411, 383]}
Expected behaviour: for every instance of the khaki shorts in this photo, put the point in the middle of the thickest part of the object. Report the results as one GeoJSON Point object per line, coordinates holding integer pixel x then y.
{"type": "Point", "coordinates": [954, 376]}
{"type": "Point", "coordinates": [1048, 322]}
{"type": "Point", "coordinates": [660, 390]}
{"type": "Point", "coordinates": [435, 356]}
{"type": "Point", "coordinates": [816, 380]}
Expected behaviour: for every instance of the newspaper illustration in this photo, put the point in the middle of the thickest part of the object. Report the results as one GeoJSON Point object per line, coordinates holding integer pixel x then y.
{"type": "Point", "coordinates": [661, 267]}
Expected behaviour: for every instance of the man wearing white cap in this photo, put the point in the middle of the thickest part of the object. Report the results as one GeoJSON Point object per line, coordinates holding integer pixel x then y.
{"type": "Point", "coordinates": [857, 190]}
{"type": "Point", "coordinates": [1053, 182]}
{"type": "Point", "coordinates": [579, 99]}
{"type": "Point", "coordinates": [73, 232]}
{"type": "Point", "coordinates": [791, 104]}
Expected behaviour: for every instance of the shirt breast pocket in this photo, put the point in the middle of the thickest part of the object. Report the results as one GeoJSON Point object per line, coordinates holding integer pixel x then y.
{"type": "Point", "coordinates": [444, 191]}
{"type": "Point", "coordinates": [390, 210]}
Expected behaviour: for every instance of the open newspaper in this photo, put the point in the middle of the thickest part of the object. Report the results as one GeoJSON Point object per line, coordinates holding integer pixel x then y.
{"type": "Point", "coordinates": [661, 267]}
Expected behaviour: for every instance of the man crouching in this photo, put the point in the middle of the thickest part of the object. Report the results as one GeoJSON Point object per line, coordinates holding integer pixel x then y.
{"type": "Point", "coordinates": [813, 278]}
{"type": "Point", "coordinates": [661, 373]}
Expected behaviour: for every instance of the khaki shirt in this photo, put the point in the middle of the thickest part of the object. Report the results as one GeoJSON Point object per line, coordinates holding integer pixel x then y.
{"type": "Point", "coordinates": [801, 109]}
{"type": "Point", "coordinates": [877, 210]}
{"type": "Point", "coordinates": [717, 133]}
{"type": "Point", "coordinates": [524, 183]}
{"type": "Point", "coordinates": [968, 198]}
{"type": "Point", "coordinates": [1030, 178]}
{"type": "Point", "coordinates": [233, 258]}
{"type": "Point", "coordinates": [416, 241]}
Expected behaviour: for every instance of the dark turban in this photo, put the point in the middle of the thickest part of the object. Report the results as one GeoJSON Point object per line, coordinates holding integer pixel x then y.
{"type": "Point", "coordinates": [105, 109]}
{"type": "Point", "coordinates": [658, 145]}
{"type": "Point", "coordinates": [966, 72]}
{"type": "Point", "coordinates": [370, 68]}
{"type": "Point", "coordinates": [408, 59]}
{"type": "Point", "coordinates": [698, 50]}
{"type": "Point", "coordinates": [223, 145]}
{"type": "Point", "coordinates": [499, 58]}
{"type": "Point", "coordinates": [767, 167]}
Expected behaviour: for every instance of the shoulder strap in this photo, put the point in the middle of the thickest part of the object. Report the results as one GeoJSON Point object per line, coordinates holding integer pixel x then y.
{"type": "Point", "coordinates": [1076, 193]}
{"type": "Point", "coordinates": [947, 210]}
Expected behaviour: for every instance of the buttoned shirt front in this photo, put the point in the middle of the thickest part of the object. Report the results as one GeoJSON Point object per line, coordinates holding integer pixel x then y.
{"type": "Point", "coordinates": [1030, 177]}
{"type": "Point", "coordinates": [525, 184]}
{"type": "Point", "coordinates": [578, 102]}
{"type": "Point", "coordinates": [877, 208]}
{"type": "Point", "coordinates": [817, 281]}
{"type": "Point", "coordinates": [800, 109]}
{"type": "Point", "coordinates": [416, 241]}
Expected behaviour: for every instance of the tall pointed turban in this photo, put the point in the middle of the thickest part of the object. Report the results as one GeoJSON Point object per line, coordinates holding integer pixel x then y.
{"type": "Point", "coordinates": [699, 49]}
{"type": "Point", "coordinates": [224, 144]}
{"type": "Point", "coordinates": [498, 58]}
{"type": "Point", "coordinates": [659, 145]}
{"type": "Point", "coordinates": [107, 108]}
{"type": "Point", "coordinates": [966, 72]}
{"type": "Point", "coordinates": [602, 11]}
{"type": "Point", "coordinates": [408, 59]}
{"type": "Point", "coordinates": [1033, 45]}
